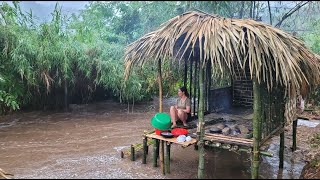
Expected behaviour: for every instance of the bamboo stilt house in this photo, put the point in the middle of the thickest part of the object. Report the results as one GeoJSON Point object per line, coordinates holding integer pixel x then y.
{"type": "Point", "coordinates": [278, 63]}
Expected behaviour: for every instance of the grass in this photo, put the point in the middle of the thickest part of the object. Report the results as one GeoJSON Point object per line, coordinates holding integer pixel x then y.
{"type": "Point", "coordinates": [315, 140]}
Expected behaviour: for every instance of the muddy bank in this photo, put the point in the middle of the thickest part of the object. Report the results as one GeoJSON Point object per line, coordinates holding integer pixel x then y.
{"type": "Point", "coordinates": [86, 143]}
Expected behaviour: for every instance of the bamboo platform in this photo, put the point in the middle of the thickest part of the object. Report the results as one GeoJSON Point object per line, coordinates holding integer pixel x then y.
{"type": "Point", "coordinates": [172, 140]}
{"type": "Point", "coordinates": [161, 146]}
{"type": "Point", "coordinates": [228, 139]}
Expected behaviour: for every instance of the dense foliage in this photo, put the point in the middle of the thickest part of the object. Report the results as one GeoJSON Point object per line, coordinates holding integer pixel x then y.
{"type": "Point", "coordinates": [79, 58]}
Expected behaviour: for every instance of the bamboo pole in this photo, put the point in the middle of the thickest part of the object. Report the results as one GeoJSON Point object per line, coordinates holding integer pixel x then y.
{"type": "Point", "coordinates": [294, 134]}
{"type": "Point", "coordinates": [281, 151]}
{"type": "Point", "coordinates": [157, 143]}
{"type": "Point", "coordinates": [185, 73]}
{"type": "Point", "coordinates": [145, 146]}
{"type": "Point", "coordinates": [207, 98]}
{"type": "Point", "coordinates": [132, 153]}
{"type": "Point", "coordinates": [256, 128]}
{"type": "Point", "coordinates": [162, 156]}
{"type": "Point", "coordinates": [155, 152]}
{"type": "Point", "coordinates": [205, 93]}
{"type": "Point", "coordinates": [209, 84]}
{"type": "Point", "coordinates": [167, 160]}
{"type": "Point", "coordinates": [281, 119]}
{"type": "Point", "coordinates": [195, 87]}
{"type": "Point", "coordinates": [265, 139]}
{"type": "Point", "coordinates": [269, 112]}
{"type": "Point", "coordinates": [190, 91]}
{"type": "Point", "coordinates": [160, 85]}
{"type": "Point", "coordinates": [200, 130]}
{"type": "Point", "coordinates": [262, 99]}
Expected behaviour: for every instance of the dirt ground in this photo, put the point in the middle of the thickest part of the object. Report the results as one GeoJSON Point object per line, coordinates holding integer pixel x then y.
{"type": "Point", "coordinates": [86, 143]}
{"type": "Point", "coordinates": [308, 140]}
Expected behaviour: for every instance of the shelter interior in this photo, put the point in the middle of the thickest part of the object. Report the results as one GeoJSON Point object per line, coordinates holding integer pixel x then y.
{"type": "Point", "coordinates": [229, 109]}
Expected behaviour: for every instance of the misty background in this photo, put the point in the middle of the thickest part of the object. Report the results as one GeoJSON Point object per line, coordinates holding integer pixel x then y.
{"type": "Point", "coordinates": [42, 10]}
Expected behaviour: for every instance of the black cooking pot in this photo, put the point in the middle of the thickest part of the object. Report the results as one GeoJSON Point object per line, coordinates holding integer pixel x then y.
{"type": "Point", "coordinates": [167, 134]}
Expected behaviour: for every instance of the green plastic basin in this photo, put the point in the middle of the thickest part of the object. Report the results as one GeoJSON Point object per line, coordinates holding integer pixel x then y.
{"type": "Point", "coordinates": [161, 121]}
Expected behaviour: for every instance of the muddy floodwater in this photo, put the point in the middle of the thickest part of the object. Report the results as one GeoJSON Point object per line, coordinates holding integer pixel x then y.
{"type": "Point", "coordinates": [86, 143]}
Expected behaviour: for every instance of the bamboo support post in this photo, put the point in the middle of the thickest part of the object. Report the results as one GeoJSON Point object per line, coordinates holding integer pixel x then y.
{"type": "Point", "coordinates": [162, 156]}
{"type": "Point", "coordinates": [196, 147]}
{"type": "Point", "coordinates": [145, 147]}
{"type": "Point", "coordinates": [167, 160]}
{"type": "Point", "coordinates": [160, 85]}
{"type": "Point", "coordinates": [200, 129]}
{"type": "Point", "coordinates": [155, 152]}
{"type": "Point", "coordinates": [281, 151]}
{"type": "Point", "coordinates": [190, 77]}
{"type": "Point", "coordinates": [195, 87]}
{"type": "Point", "coordinates": [281, 120]}
{"type": "Point", "coordinates": [133, 158]}
{"type": "Point", "coordinates": [185, 73]}
{"type": "Point", "coordinates": [256, 129]}
{"type": "Point", "coordinates": [157, 143]}
{"type": "Point", "coordinates": [294, 134]}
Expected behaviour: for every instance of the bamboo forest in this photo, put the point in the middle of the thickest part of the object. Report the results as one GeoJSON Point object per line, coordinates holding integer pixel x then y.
{"type": "Point", "coordinates": [160, 89]}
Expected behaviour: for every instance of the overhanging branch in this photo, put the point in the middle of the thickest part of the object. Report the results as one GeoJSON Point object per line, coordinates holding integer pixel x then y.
{"type": "Point", "coordinates": [290, 12]}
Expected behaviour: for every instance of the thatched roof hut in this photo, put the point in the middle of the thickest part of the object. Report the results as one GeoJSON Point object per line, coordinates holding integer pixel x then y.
{"type": "Point", "coordinates": [276, 60]}
{"type": "Point", "coordinates": [273, 55]}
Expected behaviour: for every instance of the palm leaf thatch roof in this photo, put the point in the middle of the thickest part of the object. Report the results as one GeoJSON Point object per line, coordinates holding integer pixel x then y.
{"type": "Point", "coordinates": [273, 56]}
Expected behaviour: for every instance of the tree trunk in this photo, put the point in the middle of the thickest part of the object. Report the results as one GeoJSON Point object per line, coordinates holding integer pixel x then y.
{"type": "Point", "coordinates": [270, 13]}
{"type": "Point", "coordinates": [132, 104]}
{"type": "Point", "coordinates": [66, 106]}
